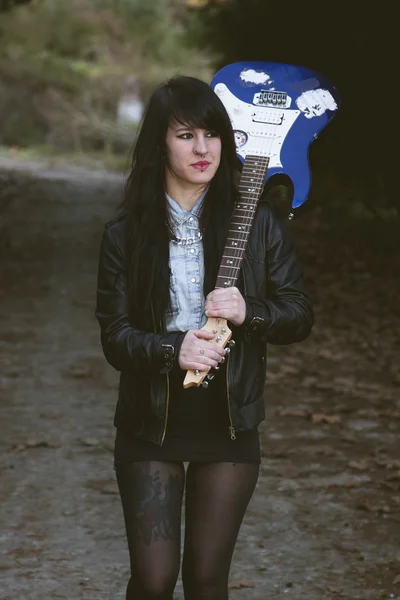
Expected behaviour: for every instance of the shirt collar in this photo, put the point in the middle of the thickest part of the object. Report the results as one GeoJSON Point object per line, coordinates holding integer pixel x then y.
{"type": "Point", "coordinates": [179, 215]}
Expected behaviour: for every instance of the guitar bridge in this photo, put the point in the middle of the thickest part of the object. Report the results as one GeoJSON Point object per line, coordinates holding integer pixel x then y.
{"type": "Point", "coordinates": [272, 99]}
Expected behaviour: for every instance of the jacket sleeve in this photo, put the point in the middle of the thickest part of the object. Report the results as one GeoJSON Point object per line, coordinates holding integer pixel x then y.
{"type": "Point", "coordinates": [124, 346]}
{"type": "Point", "coordinates": [286, 314]}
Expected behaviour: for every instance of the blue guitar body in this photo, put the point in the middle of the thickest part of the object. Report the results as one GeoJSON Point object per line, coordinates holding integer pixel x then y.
{"type": "Point", "coordinates": [277, 110]}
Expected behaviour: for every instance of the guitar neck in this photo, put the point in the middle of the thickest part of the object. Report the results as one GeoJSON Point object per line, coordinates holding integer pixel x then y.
{"type": "Point", "coordinates": [250, 187]}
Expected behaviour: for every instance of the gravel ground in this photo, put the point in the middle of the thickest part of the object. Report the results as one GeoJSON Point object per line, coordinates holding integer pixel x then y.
{"type": "Point", "coordinates": [324, 521]}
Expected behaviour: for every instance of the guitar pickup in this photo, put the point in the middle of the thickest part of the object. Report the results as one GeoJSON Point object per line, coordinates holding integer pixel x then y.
{"type": "Point", "coordinates": [269, 117]}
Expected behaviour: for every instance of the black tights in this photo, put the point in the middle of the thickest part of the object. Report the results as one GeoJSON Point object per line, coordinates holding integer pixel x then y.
{"type": "Point", "coordinates": [217, 495]}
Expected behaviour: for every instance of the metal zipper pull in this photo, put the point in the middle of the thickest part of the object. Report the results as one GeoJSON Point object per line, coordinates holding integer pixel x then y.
{"type": "Point", "coordinates": [232, 432]}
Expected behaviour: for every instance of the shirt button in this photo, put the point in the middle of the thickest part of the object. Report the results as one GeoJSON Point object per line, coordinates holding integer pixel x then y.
{"type": "Point", "coordinates": [193, 280]}
{"type": "Point", "coordinates": [192, 251]}
{"type": "Point", "coordinates": [191, 220]}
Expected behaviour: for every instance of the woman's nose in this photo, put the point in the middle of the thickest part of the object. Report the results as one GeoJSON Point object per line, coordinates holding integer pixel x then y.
{"type": "Point", "coordinates": [200, 146]}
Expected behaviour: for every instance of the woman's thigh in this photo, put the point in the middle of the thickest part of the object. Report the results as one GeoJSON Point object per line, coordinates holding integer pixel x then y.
{"type": "Point", "coordinates": [151, 494]}
{"type": "Point", "coordinates": [217, 495]}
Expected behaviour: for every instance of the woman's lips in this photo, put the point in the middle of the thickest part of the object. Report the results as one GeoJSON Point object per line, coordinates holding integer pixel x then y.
{"type": "Point", "coordinates": [201, 165]}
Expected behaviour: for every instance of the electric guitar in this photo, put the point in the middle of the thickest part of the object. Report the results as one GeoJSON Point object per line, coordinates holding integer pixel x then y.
{"type": "Point", "coordinates": [277, 110]}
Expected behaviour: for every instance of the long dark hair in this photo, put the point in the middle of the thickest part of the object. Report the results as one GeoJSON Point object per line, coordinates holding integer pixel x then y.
{"type": "Point", "coordinates": [193, 103]}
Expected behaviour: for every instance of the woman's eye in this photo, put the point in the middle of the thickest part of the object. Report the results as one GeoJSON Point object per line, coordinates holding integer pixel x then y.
{"type": "Point", "coordinates": [212, 134]}
{"type": "Point", "coordinates": [185, 136]}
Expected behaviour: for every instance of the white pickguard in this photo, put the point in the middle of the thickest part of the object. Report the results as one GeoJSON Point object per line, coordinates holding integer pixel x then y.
{"type": "Point", "coordinates": [265, 127]}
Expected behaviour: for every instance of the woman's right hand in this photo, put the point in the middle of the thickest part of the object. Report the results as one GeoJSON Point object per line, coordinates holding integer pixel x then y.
{"type": "Point", "coordinates": [197, 352]}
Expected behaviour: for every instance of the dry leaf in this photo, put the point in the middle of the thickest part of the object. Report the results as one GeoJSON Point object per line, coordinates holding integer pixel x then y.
{"type": "Point", "coordinates": [104, 487]}
{"type": "Point", "coordinates": [365, 505]}
{"type": "Point", "coordinates": [33, 444]}
{"type": "Point", "coordinates": [79, 371]}
{"type": "Point", "coordinates": [322, 418]}
{"type": "Point", "coordinates": [90, 441]}
{"type": "Point", "coordinates": [236, 584]}
{"type": "Point", "coordinates": [293, 412]}
{"type": "Point", "coordinates": [360, 465]}
{"type": "Point", "coordinates": [368, 412]}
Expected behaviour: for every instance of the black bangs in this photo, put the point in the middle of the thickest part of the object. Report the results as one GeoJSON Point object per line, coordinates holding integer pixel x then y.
{"type": "Point", "coordinates": [193, 103]}
{"type": "Point", "coordinates": [203, 119]}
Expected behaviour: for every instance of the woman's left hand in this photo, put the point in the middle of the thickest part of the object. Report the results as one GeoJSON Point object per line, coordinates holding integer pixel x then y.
{"type": "Point", "coordinates": [226, 304]}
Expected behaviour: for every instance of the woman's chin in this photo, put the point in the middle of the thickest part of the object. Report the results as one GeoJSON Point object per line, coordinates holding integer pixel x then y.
{"type": "Point", "coordinates": [201, 177]}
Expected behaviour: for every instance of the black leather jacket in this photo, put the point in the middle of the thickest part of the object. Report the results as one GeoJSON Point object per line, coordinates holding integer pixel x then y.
{"type": "Point", "coordinates": [278, 311]}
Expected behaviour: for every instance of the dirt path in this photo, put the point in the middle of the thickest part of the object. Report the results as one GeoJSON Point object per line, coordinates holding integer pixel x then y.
{"type": "Point", "coordinates": [324, 522]}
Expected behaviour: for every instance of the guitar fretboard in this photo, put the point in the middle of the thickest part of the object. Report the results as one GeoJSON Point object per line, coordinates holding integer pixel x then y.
{"type": "Point", "coordinates": [250, 187]}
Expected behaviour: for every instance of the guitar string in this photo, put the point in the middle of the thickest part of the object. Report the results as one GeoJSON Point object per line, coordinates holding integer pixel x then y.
{"type": "Point", "coordinates": [236, 254]}
{"type": "Point", "coordinates": [253, 197]}
{"type": "Point", "coordinates": [265, 147]}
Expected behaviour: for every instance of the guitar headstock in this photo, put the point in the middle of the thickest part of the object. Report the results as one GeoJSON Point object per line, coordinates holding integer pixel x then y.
{"type": "Point", "coordinates": [222, 337]}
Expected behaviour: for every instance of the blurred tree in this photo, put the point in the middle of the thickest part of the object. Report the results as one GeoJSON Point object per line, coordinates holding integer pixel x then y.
{"type": "Point", "coordinates": [6, 5]}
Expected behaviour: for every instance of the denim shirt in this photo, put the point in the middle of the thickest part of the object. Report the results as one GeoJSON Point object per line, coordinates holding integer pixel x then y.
{"type": "Point", "coordinates": [186, 262]}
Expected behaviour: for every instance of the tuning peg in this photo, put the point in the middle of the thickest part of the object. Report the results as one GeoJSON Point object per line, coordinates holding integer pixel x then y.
{"type": "Point", "coordinates": [222, 360]}
{"type": "Point", "coordinates": [205, 384]}
{"type": "Point", "coordinates": [216, 368]}
{"type": "Point", "coordinates": [197, 372]}
{"type": "Point", "coordinates": [210, 376]}
{"type": "Point", "coordinates": [227, 350]}
{"type": "Point", "coordinates": [231, 344]}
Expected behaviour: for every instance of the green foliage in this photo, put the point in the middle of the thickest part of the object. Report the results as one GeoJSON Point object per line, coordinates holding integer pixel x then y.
{"type": "Point", "coordinates": [64, 65]}
{"type": "Point", "coordinates": [6, 5]}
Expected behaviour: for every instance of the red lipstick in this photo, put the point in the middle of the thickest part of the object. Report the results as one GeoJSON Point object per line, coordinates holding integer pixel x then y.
{"type": "Point", "coordinates": [202, 164]}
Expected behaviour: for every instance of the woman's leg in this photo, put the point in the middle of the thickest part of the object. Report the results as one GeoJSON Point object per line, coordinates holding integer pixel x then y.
{"type": "Point", "coordinates": [151, 494]}
{"type": "Point", "coordinates": [217, 495]}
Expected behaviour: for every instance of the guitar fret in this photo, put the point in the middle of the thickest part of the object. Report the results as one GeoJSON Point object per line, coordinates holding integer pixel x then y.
{"type": "Point", "coordinates": [229, 256]}
{"type": "Point", "coordinates": [249, 193]}
{"type": "Point", "coordinates": [250, 188]}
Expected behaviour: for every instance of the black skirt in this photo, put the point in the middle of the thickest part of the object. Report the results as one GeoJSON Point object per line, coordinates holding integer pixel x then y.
{"type": "Point", "coordinates": [198, 429]}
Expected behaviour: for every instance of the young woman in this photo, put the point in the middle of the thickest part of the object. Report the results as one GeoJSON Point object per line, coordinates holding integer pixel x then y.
{"type": "Point", "coordinates": [157, 271]}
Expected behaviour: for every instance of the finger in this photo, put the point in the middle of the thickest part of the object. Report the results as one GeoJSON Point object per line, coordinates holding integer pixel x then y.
{"type": "Point", "coordinates": [193, 366]}
{"type": "Point", "coordinates": [218, 350]}
{"type": "Point", "coordinates": [216, 354]}
{"type": "Point", "coordinates": [223, 293]}
{"type": "Point", "coordinates": [226, 313]}
{"type": "Point", "coordinates": [209, 362]}
{"type": "Point", "coordinates": [203, 334]}
{"type": "Point", "coordinates": [222, 304]}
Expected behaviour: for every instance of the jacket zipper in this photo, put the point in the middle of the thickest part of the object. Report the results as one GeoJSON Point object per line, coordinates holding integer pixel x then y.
{"type": "Point", "coordinates": [166, 412]}
{"type": "Point", "coordinates": [232, 432]}
{"type": "Point", "coordinates": [167, 377]}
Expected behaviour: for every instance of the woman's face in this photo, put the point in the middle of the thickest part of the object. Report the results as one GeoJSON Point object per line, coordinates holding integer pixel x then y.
{"type": "Point", "coordinates": [193, 155]}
